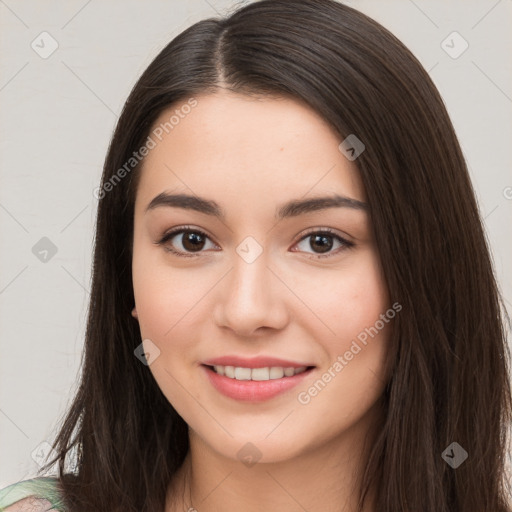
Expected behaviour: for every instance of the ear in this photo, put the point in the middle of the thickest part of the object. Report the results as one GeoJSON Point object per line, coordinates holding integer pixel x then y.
{"type": "Point", "coordinates": [134, 313]}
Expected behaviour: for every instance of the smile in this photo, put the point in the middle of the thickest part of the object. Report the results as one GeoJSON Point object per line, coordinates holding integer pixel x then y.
{"type": "Point", "coordinates": [267, 373]}
{"type": "Point", "coordinates": [254, 384]}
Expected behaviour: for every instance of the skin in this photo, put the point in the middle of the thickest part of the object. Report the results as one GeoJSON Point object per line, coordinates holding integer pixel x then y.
{"type": "Point", "coordinates": [250, 155]}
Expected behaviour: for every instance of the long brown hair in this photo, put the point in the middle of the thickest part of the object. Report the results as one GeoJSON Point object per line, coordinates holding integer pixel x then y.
{"type": "Point", "coordinates": [449, 358]}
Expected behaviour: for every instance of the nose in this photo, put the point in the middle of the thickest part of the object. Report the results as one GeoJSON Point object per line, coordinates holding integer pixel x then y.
{"type": "Point", "coordinates": [251, 299]}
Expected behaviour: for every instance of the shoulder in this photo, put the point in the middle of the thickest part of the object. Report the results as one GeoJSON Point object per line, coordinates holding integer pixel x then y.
{"type": "Point", "coordinates": [29, 505]}
{"type": "Point", "coordinates": [38, 494]}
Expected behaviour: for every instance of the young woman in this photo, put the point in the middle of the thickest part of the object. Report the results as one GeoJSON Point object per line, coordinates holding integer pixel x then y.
{"type": "Point", "coordinates": [293, 305]}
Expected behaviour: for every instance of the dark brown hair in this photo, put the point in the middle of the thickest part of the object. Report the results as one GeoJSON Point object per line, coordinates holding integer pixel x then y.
{"type": "Point", "coordinates": [449, 359]}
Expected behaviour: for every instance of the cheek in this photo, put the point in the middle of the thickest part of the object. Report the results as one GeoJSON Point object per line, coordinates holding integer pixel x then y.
{"type": "Point", "coordinates": [353, 372]}
{"type": "Point", "coordinates": [345, 301]}
{"type": "Point", "coordinates": [168, 305]}
{"type": "Point", "coordinates": [166, 296]}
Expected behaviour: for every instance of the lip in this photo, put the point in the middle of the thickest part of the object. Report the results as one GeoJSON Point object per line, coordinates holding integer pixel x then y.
{"type": "Point", "coordinates": [254, 362]}
{"type": "Point", "coordinates": [253, 390]}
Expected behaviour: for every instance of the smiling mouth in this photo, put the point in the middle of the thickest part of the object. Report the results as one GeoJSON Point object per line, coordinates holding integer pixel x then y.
{"type": "Point", "coordinates": [257, 374]}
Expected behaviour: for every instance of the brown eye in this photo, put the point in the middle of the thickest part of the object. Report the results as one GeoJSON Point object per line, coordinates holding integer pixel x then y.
{"type": "Point", "coordinates": [192, 241]}
{"type": "Point", "coordinates": [184, 241]}
{"type": "Point", "coordinates": [322, 243]}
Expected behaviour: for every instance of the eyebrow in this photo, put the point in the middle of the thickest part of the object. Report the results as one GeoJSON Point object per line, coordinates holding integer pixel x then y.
{"type": "Point", "coordinates": [292, 208]}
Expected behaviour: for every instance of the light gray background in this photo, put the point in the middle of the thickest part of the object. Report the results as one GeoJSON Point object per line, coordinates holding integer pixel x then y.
{"type": "Point", "coordinates": [57, 117]}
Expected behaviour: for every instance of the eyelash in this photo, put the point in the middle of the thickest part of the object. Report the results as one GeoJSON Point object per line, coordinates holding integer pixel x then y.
{"type": "Point", "coordinates": [189, 229]}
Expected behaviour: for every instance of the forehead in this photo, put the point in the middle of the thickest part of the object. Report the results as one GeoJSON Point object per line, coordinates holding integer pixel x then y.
{"type": "Point", "coordinates": [229, 146]}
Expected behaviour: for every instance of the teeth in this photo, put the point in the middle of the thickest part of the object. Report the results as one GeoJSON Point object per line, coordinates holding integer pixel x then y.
{"type": "Point", "coordinates": [274, 372]}
{"type": "Point", "coordinates": [242, 373]}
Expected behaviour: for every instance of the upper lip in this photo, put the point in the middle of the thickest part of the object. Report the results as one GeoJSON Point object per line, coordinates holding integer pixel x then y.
{"type": "Point", "coordinates": [253, 362]}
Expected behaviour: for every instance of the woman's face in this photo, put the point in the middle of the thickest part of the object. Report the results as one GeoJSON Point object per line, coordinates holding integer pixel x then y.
{"type": "Point", "coordinates": [257, 279]}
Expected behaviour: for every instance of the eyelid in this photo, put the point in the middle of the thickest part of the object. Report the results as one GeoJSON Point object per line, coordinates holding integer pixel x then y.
{"type": "Point", "coordinates": [178, 229]}
{"type": "Point", "coordinates": [331, 231]}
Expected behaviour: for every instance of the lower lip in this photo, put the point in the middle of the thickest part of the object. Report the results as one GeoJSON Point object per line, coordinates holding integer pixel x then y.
{"type": "Point", "coordinates": [253, 390]}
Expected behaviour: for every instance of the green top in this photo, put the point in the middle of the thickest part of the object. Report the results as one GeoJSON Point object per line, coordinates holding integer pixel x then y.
{"type": "Point", "coordinates": [44, 487]}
